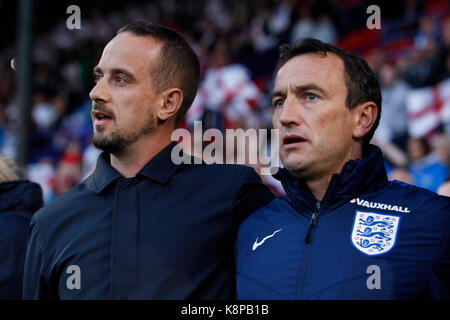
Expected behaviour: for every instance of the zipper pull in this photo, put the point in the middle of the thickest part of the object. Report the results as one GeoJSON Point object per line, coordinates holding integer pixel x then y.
{"type": "Point", "coordinates": [312, 223]}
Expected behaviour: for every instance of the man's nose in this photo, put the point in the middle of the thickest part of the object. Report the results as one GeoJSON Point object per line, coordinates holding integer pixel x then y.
{"type": "Point", "coordinates": [290, 113]}
{"type": "Point", "coordinates": [100, 92]}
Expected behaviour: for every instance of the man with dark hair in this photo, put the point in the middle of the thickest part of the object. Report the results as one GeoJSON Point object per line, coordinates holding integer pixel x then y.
{"type": "Point", "coordinates": [344, 231]}
{"type": "Point", "coordinates": [141, 226]}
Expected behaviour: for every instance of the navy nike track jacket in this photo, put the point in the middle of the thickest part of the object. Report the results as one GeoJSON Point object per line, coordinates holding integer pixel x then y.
{"type": "Point", "coordinates": [367, 239]}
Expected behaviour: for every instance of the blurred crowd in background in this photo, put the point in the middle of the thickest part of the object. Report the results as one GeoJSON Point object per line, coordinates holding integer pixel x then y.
{"type": "Point", "coordinates": [237, 44]}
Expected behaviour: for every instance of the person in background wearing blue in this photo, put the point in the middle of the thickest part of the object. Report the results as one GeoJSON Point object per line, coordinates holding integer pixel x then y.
{"type": "Point", "coordinates": [142, 226]}
{"type": "Point", "coordinates": [19, 199]}
{"type": "Point", "coordinates": [425, 168]}
{"type": "Point", "coordinates": [343, 231]}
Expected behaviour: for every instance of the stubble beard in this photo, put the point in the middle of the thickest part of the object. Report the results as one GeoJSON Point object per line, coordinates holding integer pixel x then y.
{"type": "Point", "coordinates": [117, 141]}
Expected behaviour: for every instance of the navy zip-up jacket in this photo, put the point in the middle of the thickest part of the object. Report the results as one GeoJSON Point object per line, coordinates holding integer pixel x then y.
{"type": "Point", "coordinates": [367, 239]}
{"type": "Point", "coordinates": [18, 201]}
{"type": "Point", "coordinates": [167, 233]}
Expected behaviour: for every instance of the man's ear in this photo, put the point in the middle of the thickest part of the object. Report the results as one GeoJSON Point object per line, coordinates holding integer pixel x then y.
{"type": "Point", "coordinates": [171, 102]}
{"type": "Point", "coordinates": [365, 116]}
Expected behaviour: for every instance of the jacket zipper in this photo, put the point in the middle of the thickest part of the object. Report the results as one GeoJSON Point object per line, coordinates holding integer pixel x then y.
{"type": "Point", "coordinates": [307, 251]}
{"type": "Point", "coordinates": [312, 223]}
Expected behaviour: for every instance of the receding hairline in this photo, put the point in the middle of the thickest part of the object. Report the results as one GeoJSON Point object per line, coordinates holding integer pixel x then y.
{"type": "Point", "coordinates": [320, 54]}
{"type": "Point", "coordinates": [158, 41]}
{"type": "Point", "coordinates": [312, 85]}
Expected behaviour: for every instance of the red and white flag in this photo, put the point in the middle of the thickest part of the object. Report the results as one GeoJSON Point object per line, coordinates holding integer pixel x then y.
{"type": "Point", "coordinates": [428, 108]}
{"type": "Point", "coordinates": [228, 90]}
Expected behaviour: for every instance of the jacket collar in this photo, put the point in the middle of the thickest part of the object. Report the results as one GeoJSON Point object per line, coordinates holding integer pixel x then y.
{"type": "Point", "coordinates": [160, 168]}
{"type": "Point", "coordinates": [356, 178]}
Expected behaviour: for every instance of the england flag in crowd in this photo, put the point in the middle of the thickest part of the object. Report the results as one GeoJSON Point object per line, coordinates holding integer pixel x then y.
{"type": "Point", "coordinates": [230, 91]}
{"type": "Point", "coordinates": [428, 108]}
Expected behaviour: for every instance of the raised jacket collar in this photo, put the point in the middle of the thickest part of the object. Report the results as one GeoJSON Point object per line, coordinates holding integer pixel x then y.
{"type": "Point", "coordinates": [357, 177]}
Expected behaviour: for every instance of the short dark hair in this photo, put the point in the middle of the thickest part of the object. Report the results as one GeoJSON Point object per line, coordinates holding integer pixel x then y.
{"type": "Point", "coordinates": [178, 64]}
{"type": "Point", "coordinates": [362, 84]}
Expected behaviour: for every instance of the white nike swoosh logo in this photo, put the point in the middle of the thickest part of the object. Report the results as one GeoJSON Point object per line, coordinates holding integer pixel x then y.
{"type": "Point", "coordinates": [257, 244]}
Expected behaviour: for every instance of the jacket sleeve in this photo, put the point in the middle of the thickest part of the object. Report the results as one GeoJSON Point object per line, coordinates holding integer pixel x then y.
{"type": "Point", "coordinates": [440, 276]}
{"type": "Point", "coordinates": [250, 195]}
{"type": "Point", "coordinates": [36, 284]}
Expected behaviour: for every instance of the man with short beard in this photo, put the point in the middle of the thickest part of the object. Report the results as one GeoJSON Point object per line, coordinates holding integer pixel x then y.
{"type": "Point", "coordinates": [141, 226]}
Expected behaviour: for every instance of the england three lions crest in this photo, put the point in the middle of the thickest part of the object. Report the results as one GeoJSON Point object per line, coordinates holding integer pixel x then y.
{"type": "Point", "coordinates": [374, 233]}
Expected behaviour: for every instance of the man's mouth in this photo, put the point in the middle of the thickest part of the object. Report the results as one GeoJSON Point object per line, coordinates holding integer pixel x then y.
{"type": "Point", "coordinates": [292, 141]}
{"type": "Point", "coordinates": [101, 118]}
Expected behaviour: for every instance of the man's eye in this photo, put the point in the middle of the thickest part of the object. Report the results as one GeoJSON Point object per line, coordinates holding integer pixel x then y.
{"type": "Point", "coordinates": [278, 103]}
{"type": "Point", "coordinates": [310, 96]}
{"type": "Point", "coordinates": [97, 78]}
{"type": "Point", "coordinates": [121, 80]}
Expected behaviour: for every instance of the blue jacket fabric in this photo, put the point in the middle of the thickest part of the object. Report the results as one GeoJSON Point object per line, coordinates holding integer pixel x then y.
{"type": "Point", "coordinates": [18, 201]}
{"type": "Point", "coordinates": [369, 238]}
{"type": "Point", "coordinates": [167, 233]}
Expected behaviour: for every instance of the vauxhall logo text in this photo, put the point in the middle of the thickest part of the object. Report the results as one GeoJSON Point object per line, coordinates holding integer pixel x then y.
{"type": "Point", "coordinates": [376, 205]}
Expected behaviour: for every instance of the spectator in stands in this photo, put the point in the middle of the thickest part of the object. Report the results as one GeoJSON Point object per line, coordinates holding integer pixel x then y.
{"type": "Point", "coordinates": [19, 199]}
{"type": "Point", "coordinates": [280, 20]}
{"type": "Point", "coordinates": [440, 144]}
{"type": "Point", "coordinates": [428, 32]}
{"type": "Point", "coordinates": [307, 26]}
{"type": "Point", "coordinates": [418, 71]}
{"type": "Point", "coordinates": [376, 59]}
{"type": "Point", "coordinates": [393, 124]}
{"type": "Point", "coordinates": [444, 50]}
{"type": "Point", "coordinates": [263, 36]}
{"type": "Point", "coordinates": [43, 113]}
{"type": "Point", "coordinates": [423, 66]}
{"type": "Point", "coordinates": [426, 170]}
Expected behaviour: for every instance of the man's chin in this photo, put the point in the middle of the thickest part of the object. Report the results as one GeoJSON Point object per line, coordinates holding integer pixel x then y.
{"type": "Point", "coordinates": [294, 165]}
{"type": "Point", "coordinates": [108, 143]}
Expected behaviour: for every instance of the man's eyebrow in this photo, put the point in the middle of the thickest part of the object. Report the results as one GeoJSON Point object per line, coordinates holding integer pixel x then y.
{"type": "Point", "coordinates": [115, 71]}
{"type": "Point", "coordinates": [297, 89]}
{"type": "Point", "coordinates": [276, 94]}
{"type": "Point", "coordinates": [96, 70]}
{"type": "Point", "coordinates": [310, 86]}
{"type": "Point", "coordinates": [128, 74]}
